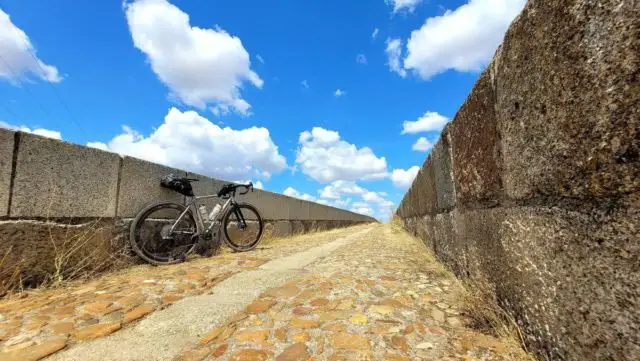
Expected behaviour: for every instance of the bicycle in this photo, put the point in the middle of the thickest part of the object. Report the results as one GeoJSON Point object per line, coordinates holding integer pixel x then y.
{"type": "Point", "coordinates": [166, 232]}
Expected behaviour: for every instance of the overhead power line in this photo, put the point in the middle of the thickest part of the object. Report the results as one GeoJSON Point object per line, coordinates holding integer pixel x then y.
{"type": "Point", "coordinates": [53, 88]}
{"type": "Point", "coordinates": [17, 78]}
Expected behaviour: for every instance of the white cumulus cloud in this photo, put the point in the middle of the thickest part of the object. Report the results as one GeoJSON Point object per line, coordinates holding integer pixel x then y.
{"type": "Point", "coordinates": [402, 178]}
{"type": "Point", "coordinates": [394, 55]}
{"type": "Point", "coordinates": [336, 192]}
{"type": "Point", "coordinates": [336, 189]}
{"type": "Point", "coordinates": [189, 141]}
{"type": "Point", "coordinates": [37, 131]}
{"type": "Point", "coordinates": [202, 67]}
{"type": "Point", "coordinates": [422, 145]}
{"type": "Point", "coordinates": [361, 59]}
{"type": "Point", "coordinates": [429, 122]}
{"type": "Point", "coordinates": [403, 5]}
{"type": "Point", "coordinates": [376, 198]}
{"type": "Point", "coordinates": [324, 157]}
{"type": "Point", "coordinates": [367, 211]}
{"type": "Point", "coordinates": [463, 39]}
{"type": "Point", "coordinates": [256, 184]}
{"type": "Point", "coordinates": [339, 93]}
{"type": "Point", "coordinates": [18, 58]}
{"type": "Point", "coordinates": [374, 34]}
{"type": "Point", "coordinates": [292, 192]}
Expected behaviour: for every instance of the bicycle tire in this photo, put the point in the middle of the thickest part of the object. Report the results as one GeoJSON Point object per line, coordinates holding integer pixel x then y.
{"type": "Point", "coordinates": [227, 221]}
{"type": "Point", "coordinates": [135, 232]}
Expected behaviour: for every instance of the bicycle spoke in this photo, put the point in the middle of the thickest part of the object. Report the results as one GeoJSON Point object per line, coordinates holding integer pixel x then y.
{"type": "Point", "coordinates": [243, 227]}
{"type": "Point", "coordinates": [163, 236]}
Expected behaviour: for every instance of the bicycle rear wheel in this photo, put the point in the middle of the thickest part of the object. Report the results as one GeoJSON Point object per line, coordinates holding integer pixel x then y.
{"type": "Point", "coordinates": [242, 227]}
{"type": "Point", "coordinates": [159, 236]}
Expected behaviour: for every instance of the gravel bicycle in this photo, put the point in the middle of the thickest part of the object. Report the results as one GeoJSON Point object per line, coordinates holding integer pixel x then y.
{"type": "Point", "coordinates": [166, 232]}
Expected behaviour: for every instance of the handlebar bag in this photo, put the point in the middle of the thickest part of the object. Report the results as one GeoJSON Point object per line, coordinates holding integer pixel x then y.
{"type": "Point", "coordinates": [177, 185]}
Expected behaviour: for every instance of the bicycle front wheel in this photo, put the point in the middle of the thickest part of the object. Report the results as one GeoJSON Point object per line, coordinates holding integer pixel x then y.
{"type": "Point", "coordinates": [163, 233]}
{"type": "Point", "coordinates": [242, 227]}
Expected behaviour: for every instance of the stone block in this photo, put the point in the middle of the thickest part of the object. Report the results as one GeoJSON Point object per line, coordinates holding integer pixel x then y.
{"type": "Point", "coordinates": [298, 227]}
{"type": "Point", "coordinates": [6, 164]}
{"type": "Point", "coordinates": [449, 247]}
{"type": "Point", "coordinates": [298, 209]}
{"type": "Point", "coordinates": [402, 208]}
{"type": "Point", "coordinates": [278, 229]}
{"type": "Point", "coordinates": [319, 212]}
{"type": "Point", "coordinates": [55, 179]}
{"type": "Point", "coordinates": [321, 226]}
{"type": "Point", "coordinates": [332, 224]}
{"type": "Point", "coordinates": [555, 269]}
{"type": "Point", "coordinates": [281, 206]}
{"type": "Point", "coordinates": [312, 226]}
{"type": "Point", "coordinates": [443, 174]}
{"type": "Point", "coordinates": [273, 206]}
{"type": "Point", "coordinates": [342, 215]}
{"type": "Point", "coordinates": [425, 230]}
{"type": "Point", "coordinates": [475, 147]}
{"type": "Point", "coordinates": [140, 186]}
{"type": "Point", "coordinates": [94, 247]}
{"type": "Point", "coordinates": [428, 199]}
{"type": "Point", "coordinates": [568, 100]}
{"type": "Point", "coordinates": [414, 197]}
{"type": "Point", "coordinates": [339, 214]}
{"type": "Point", "coordinates": [412, 202]}
{"type": "Point", "coordinates": [347, 216]}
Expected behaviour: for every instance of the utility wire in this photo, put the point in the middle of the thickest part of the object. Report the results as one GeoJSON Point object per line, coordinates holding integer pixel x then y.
{"type": "Point", "coordinates": [9, 110]}
{"type": "Point", "coordinates": [17, 78]}
{"type": "Point", "coordinates": [53, 88]}
{"type": "Point", "coordinates": [6, 107]}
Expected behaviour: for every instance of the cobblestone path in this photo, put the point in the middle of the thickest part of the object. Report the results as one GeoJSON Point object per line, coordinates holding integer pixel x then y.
{"type": "Point", "coordinates": [363, 293]}
{"type": "Point", "coordinates": [380, 298]}
{"type": "Point", "coordinates": [39, 323]}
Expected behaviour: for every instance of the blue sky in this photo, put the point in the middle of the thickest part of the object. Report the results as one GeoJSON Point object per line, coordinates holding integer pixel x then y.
{"type": "Point", "coordinates": [332, 101]}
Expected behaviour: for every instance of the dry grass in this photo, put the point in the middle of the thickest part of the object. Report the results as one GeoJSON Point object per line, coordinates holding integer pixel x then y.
{"type": "Point", "coordinates": [60, 253]}
{"type": "Point", "coordinates": [52, 253]}
{"type": "Point", "coordinates": [84, 254]}
{"type": "Point", "coordinates": [397, 224]}
{"type": "Point", "coordinates": [482, 311]}
{"type": "Point", "coordinates": [488, 317]}
{"type": "Point", "coordinates": [9, 275]}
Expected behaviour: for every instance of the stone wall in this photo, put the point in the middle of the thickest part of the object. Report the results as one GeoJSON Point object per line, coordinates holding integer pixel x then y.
{"type": "Point", "coordinates": [532, 192]}
{"type": "Point", "coordinates": [55, 196]}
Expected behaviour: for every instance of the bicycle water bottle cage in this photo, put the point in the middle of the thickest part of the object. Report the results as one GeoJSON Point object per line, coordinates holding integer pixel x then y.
{"type": "Point", "coordinates": [180, 185]}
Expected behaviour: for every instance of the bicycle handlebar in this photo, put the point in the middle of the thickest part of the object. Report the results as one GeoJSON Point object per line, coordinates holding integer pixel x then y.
{"type": "Point", "coordinates": [247, 187]}
{"type": "Point", "coordinates": [230, 188]}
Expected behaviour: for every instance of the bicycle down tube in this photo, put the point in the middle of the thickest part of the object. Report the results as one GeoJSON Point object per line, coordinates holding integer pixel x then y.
{"type": "Point", "coordinates": [194, 206]}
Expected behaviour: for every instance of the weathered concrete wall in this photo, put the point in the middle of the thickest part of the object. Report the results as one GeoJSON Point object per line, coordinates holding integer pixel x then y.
{"type": "Point", "coordinates": [53, 193]}
{"type": "Point", "coordinates": [6, 162]}
{"type": "Point", "coordinates": [533, 191]}
{"type": "Point", "coordinates": [54, 179]}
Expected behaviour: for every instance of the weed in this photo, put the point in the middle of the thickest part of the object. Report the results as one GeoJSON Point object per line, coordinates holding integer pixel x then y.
{"type": "Point", "coordinates": [481, 310]}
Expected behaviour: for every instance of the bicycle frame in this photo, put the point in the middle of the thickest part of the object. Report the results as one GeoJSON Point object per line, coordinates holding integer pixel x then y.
{"type": "Point", "coordinates": [194, 204]}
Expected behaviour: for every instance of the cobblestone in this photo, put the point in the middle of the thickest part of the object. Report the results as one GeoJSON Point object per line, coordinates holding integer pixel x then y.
{"type": "Point", "coordinates": [383, 299]}
{"type": "Point", "coordinates": [38, 323]}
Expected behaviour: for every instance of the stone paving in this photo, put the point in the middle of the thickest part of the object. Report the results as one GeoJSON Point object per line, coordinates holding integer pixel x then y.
{"type": "Point", "coordinates": [383, 299]}
{"type": "Point", "coordinates": [380, 297]}
{"type": "Point", "coordinates": [38, 323]}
